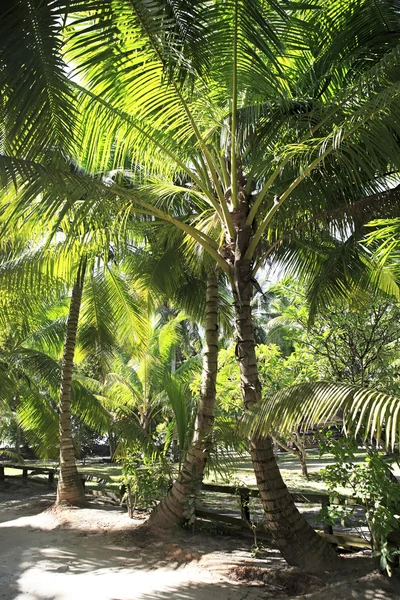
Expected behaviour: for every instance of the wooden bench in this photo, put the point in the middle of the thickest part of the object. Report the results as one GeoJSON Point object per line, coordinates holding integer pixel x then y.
{"type": "Point", "coordinates": [27, 470]}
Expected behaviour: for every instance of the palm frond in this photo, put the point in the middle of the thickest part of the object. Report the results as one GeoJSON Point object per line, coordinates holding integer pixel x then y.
{"type": "Point", "coordinates": [130, 433]}
{"type": "Point", "coordinates": [89, 408]}
{"type": "Point", "coordinates": [38, 116]}
{"type": "Point", "coordinates": [39, 421]}
{"type": "Point", "coordinates": [365, 412]}
{"type": "Point", "coordinates": [179, 399]}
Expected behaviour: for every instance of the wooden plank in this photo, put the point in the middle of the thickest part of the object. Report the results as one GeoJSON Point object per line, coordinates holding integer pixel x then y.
{"type": "Point", "coordinates": [41, 471]}
{"type": "Point", "coordinates": [346, 540]}
{"type": "Point", "coordinates": [33, 470]}
{"type": "Point", "coordinates": [27, 471]}
{"type": "Point", "coordinates": [300, 497]}
{"type": "Point", "coordinates": [211, 515]}
{"type": "Point", "coordinates": [310, 498]}
{"type": "Point", "coordinates": [254, 493]}
{"type": "Point", "coordinates": [230, 489]}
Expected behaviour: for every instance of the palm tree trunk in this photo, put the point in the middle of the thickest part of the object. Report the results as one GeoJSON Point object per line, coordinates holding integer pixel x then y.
{"type": "Point", "coordinates": [299, 544]}
{"type": "Point", "coordinates": [70, 488]}
{"type": "Point", "coordinates": [173, 508]}
{"type": "Point", "coordinates": [112, 443]}
{"type": "Point", "coordinates": [17, 439]}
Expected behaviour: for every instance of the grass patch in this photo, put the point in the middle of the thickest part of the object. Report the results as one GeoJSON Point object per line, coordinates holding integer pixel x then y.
{"type": "Point", "coordinates": [109, 472]}
{"type": "Point", "coordinates": [239, 472]}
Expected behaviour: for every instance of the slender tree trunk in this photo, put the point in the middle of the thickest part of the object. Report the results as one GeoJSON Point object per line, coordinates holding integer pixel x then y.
{"type": "Point", "coordinates": [172, 508]}
{"type": "Point", "coordinates": [112, 443]}
{"type": "Point", "coordinates": [145, 417]}
{"type": "Point", "coordinates": [17, 439]}
{"type": "Point", "coordinates": [299, 440]}
{"type": "Point", "coordinates": [299, 544]}
{"type": "Point", "coordinates": [18, 432]}
{"type": "Point", "coordinates": [70, 488]}
{"type": "Point", "coordinates": [303, 462]}
{"type": "Point", "coordinates": [300, 453]}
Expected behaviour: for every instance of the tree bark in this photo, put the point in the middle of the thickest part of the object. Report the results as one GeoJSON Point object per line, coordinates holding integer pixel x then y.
{"type": "Point", "coordinates": [171, 510]}
{"type": "Point", "coordinates": [70, 488]}
{"type": "Point", "coordinates": [299, 440]}
{"type": "Point", "coordinates": [299, 544]}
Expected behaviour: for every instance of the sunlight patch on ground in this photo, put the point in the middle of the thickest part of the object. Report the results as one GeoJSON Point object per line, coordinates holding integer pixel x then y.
{"type": "Point", "coordinates": [102, 584]}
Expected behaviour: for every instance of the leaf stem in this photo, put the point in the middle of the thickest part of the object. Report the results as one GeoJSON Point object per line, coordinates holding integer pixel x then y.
{"type": "Point", "coordinates": [234, 111]}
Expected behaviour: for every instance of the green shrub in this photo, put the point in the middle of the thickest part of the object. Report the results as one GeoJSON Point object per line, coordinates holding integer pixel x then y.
{"type": "Point", "coordinates": [145, 481]}
{"type": "Point", "coordinates": [373, 486]}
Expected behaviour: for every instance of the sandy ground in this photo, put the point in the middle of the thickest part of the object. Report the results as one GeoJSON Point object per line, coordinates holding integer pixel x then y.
{"type": "Point", "coordinates": [98, 553]}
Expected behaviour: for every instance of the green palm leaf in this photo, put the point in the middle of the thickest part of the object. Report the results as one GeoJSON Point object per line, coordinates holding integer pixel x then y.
{"type": "Point", "coordinates": [365, 412]}
{"type": "Point", "coordinates": [39, 422]}
{"type": "Point", "coordinates": [37, 110]}
{"type": "Point", "coordinates": [90, 408]}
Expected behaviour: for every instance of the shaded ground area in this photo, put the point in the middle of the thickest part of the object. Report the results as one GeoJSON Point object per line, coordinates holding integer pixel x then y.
{"type": "Point", "coordinates": [228, 504]}
{"type": "Point", "coordinates": [98, 553]}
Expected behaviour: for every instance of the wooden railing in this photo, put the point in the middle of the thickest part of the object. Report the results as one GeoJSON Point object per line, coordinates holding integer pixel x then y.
{"type": "Point", "coordinates": [27, 470]}
{"type": "Point", "coordinates": [245, 493]}
{"type": "Point", "coordinates": [345, 540]}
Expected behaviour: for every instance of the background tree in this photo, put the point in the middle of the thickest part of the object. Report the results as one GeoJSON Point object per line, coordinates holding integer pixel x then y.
{"type": "Point", "coordinates": [356, 341]}
{"type": "Point", "coordinates": [174, 507]}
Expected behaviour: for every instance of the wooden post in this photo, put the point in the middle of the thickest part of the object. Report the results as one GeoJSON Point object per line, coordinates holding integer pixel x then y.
{"type": "Point", "coordinates": [24, 473]}
{"type": "Point", "coordinates": [51, 476]}
{"type": "Point", "coordinates": [2, 477]}
{"type": "Point", "coordinates": [327, 528]}
{"type": "Point", "coordinates": [245, 504]}
{"type": "Point", "coordinates": [122, 491]}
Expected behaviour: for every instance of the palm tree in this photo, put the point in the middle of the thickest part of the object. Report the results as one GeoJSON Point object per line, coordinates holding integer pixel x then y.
{"type": "Point", "coordinates": [143, 385]}
{"type": "Point", "coordinates": [165, 271]}
{"type": "Point", "coordinates": [229, 121]}
{"type": "Point", "coordinates": [34, 327]}
{"type": "Point", "coordinates": [105, 307]}
{"type": "Point", "coordinates": [168, 272]}
{"type": "Point", "coordinates": [70, 488]}
{"type": "Point", "coordinates": [173, 508]}
{"type": "Point", "coordinates": [109, 302]}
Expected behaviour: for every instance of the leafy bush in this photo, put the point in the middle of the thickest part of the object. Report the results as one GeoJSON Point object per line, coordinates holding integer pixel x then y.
{"type": "Point", "coordinates": [145, 481]}
{"type": "Point", "coordinates": [373, 486]}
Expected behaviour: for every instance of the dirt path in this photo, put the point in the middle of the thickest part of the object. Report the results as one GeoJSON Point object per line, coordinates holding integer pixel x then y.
{"type": "Point", "coordinates": [98, 553]}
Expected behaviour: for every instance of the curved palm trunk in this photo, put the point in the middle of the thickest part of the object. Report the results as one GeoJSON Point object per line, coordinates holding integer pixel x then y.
{"type": "Point", "coordinates": [172, 508]}
{"type": "Point", "coordinates": [299, 544]}
{"type": "Point", "coordinates": [70, 488]}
